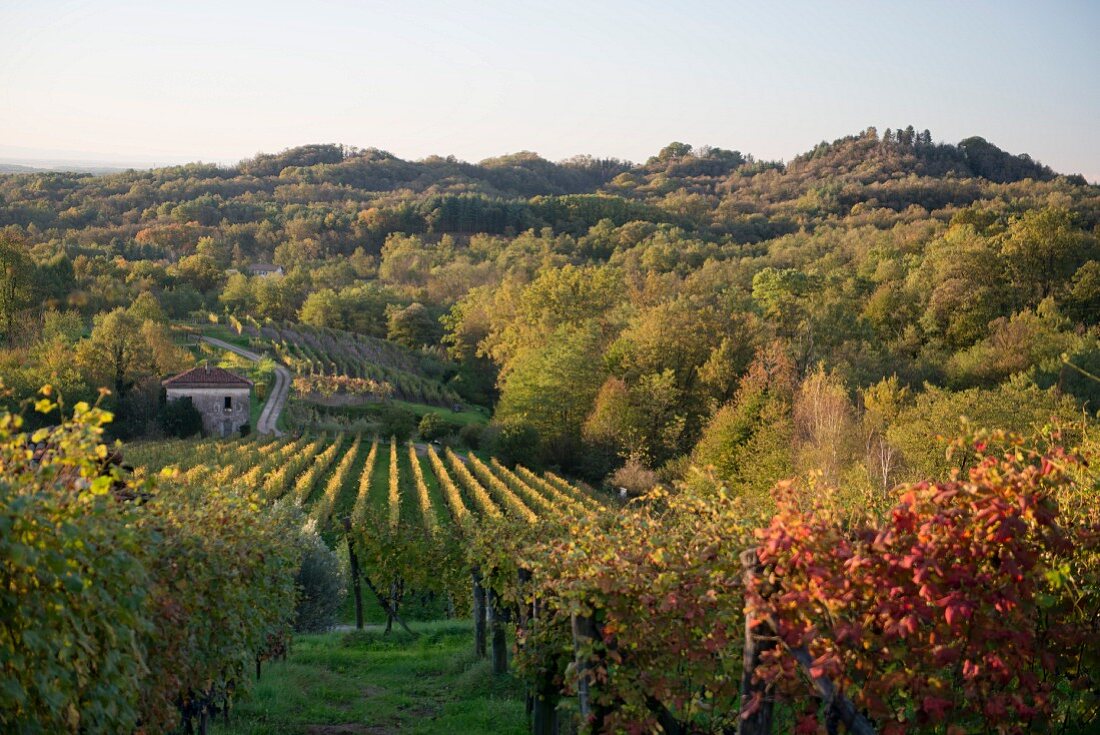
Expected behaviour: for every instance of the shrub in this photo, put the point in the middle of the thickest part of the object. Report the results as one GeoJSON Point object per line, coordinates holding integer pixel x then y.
{"type": "Point", "coordinates": [435, 426]}
{"type": "Point", "coordinates": [322, 585]}
{"type": "Point", "coordinates": [180, 418]}
{"type": "Point", "coordinates": [514, 441]}
{"type": "Point", "coordinates": [472, 435]}
{"type": "Point", "coordinates": [634, 477]}
{"type": "Point", "coordinates": [396, 421]}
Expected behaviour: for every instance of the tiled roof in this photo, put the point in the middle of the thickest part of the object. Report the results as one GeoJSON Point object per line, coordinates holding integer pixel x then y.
{"type": "Point", "coordinates": [205, 376]}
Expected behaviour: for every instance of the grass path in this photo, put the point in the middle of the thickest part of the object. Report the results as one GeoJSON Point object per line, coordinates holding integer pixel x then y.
{"type": "Point", "coordinates": [365, 683]}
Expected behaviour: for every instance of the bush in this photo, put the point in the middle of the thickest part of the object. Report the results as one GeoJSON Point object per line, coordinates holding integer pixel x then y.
{"type": "Point", "coordinates": [472, 435]}
{"type": "Point", "coordinates": [634, 477]}
{"type": "Point", "coordinates": [180, 418]}
{"type": "Point", "coordinates": [435, 426]}
{"type": "Point", "coordinates": [396, 421]}
{"type": "Point", "coordinates": [514, 441]}
{"type": "Point", "coordinates": [322, 583]}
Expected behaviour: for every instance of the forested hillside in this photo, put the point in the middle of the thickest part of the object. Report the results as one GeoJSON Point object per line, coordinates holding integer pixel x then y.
{"type": "Point", "coordinates": [836, 312]}
{"type": "Point", "coordinates": [800, 372]}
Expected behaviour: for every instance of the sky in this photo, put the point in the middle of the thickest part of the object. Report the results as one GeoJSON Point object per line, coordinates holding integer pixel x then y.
{"type": "Point", "coordinates": [142, 83]}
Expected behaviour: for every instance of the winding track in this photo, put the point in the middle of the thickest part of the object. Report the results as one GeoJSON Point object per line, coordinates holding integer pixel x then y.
{"type": "Point", "coordinates": [269, 415]}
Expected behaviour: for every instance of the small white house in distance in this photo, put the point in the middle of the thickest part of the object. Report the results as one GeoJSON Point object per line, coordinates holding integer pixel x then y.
{"type": "Point", "coordinates": [222, 397]}
{"type": "Point", "coordinates": [265, 269]}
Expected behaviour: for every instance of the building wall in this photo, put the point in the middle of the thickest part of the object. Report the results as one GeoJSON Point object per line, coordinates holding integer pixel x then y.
{"type": "Point", "coordinates": [216, 420]}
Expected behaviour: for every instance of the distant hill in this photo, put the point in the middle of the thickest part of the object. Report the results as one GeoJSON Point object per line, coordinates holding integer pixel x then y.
{"type": "Point", "coordinates": [7, 167]}
{"type": "Point", "coordinates": [15, 168]}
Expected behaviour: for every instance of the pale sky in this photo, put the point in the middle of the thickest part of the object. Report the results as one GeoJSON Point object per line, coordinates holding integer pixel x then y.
{"type": "Point", "coordinates": [171, 81]}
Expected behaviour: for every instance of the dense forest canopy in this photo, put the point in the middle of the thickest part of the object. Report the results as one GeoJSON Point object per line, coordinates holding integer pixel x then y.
{"type": "Point", "coordinates": [703, 308]}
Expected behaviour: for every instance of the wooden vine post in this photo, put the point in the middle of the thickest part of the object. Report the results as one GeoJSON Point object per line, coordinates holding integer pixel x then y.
{"type": "Point", "coordinates": [542, 701]}
{"type": "Point", "coordinates": [585, 635]}
{"type": "Point", "coordinates": [479, 614]}
{"type": "Point", "coordinates": [499, 618]}
{"type": "Point", "coordinates": [356, 589]}
{"type": "Point", "coordinates": [759, 638]}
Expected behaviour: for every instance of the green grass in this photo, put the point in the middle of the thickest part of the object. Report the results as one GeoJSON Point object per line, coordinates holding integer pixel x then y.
{"type": "Point", "coordinates": [370, 683]}
{"type": "Point", "coordinates": [225, 334]}
{"type": "Point", "coordinates": [472, 415]}
{"type": "Point", "coordinates": [257, 405]}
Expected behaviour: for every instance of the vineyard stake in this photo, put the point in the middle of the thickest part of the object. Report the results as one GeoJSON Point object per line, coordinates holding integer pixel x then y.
{"type": "Point", "coordinates": [838, 707]}
{"type": "Point", "coordinates": [479, 614]}
{"type": "Point", "coordinates": [499, 616]}
{"type": "Point", "coordinates": [585, 634]}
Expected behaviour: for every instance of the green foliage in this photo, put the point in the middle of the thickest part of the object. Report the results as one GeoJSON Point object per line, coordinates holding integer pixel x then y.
{"type": "Point", "coordinates": [435, 426]}
{"type": "Point", "coordinates": [15, 282]}
{"type": "Point", "coordinates": [74, 602]}
{"type": "Point", "coordinates": [179, 418]}
{"type": "Point", "coordinates": [1019, 406]}
{"type": "Point", "coordinates": [396, 421]}
{"type": "Point", "coordinates": [412, 326]}
{"type": "Point", "coordinates": [514, 441]}
{"type": "Point", "coordinates": [322, 585]}
{"type": "Point", "coordinates": [616, 307]}
{"type": "Point", "coordinates": [748, 441]}
{"type": "Point", "coordinates": [116, 611]}
{"type": "Point", "coordinates": [472, 435]}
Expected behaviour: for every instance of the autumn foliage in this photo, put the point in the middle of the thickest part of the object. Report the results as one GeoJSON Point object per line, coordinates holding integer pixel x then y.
{"type": "Point", "coordinates": [972, 605]}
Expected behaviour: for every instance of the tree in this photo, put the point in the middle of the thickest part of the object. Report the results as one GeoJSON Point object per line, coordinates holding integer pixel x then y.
{"type": "Point", "coordinates": [1083, 297]}
{"type": "Point", "coordinates": [321, 309]}
{"type": "Point", "coordinates": [16, 272]}
{"type": "Point", "coordinates": [238, 295]}
{"type": "Point", "coordinates": [201, 272]}
{"type": "Point", "coordinates": [966, 284]}
{"type": "Point", "coordinates": [435, 426]}
{"type": "Point", "coordinates": [671, 152]}
{"type": "Point", "coordinates": [276, 297]}
{"type": "Point", "coordinates": [1042, 249]}
{"type": "Point", "coordinates": [748, 441]}
{"type": "Point", "coordinates": [639, 419]}
{"type": "Point", "coordinates": [146, 308]}
{"type": "Point", "coordinates": [514, 441]}
{"type": "Point", "coordinates": [567, 366]}
{"type": "Point", "coordinates": [414, 326]}
{"type": "Point", "coordinates": [782, 295]}
{"type": "Point", "coordinates": [121, 350]}
{"type": "Point", "coordinates": [825, 433]}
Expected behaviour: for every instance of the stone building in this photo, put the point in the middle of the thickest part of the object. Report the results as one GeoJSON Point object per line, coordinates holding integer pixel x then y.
{"type": "Point", "coordinates": [222, 397]}
{"type": "Point", "coordinates": [265, 269]}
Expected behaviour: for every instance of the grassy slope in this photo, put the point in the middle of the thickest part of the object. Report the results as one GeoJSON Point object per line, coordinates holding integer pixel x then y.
{"type": "Point", "coordinates": [367, 683]}
{"type": "Point", "coordinates": [472, 415]}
